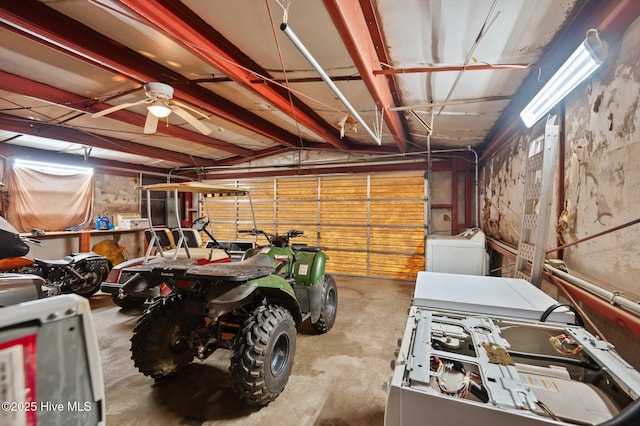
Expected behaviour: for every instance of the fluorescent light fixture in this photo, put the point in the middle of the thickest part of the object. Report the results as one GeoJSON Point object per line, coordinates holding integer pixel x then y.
{"type": "Point", "coordinates": [584, 61]}
{"type": "Point", "coordinates": [159, 109]}
{"type": "Point", "coordinates": [51, 168]}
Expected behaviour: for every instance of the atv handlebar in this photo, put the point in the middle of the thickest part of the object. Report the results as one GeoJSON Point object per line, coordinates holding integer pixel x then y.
{"type": "Point", "coordinates": [292, 233]}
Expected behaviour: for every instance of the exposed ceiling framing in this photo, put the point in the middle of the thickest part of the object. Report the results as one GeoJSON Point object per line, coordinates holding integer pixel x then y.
{"type": "Point", "coordinates": [435, 60]}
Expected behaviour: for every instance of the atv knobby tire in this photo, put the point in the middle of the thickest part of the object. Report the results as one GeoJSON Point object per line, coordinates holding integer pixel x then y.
{"type": "Point", "coordinates": [162, 342]}
{"type": "Point", "coordinates": [128, 302]}
{"type": "Point", "coordinates": [263, 355]}
{"type": "Point", "coordinates": [329, 307]}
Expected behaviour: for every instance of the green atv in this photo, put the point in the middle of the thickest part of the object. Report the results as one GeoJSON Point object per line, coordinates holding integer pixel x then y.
{"type": "Point", "coordinates": [252, 307]}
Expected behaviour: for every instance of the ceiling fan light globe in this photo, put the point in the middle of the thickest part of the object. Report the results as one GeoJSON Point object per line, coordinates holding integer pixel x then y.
{"type": "Point", "coordinates": [159, 109]}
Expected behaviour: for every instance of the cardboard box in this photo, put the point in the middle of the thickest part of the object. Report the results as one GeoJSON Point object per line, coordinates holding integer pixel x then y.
{"type": "Point", "coordinates": [142, 223]}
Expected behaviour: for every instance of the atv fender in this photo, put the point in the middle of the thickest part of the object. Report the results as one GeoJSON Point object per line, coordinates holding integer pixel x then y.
{"type": "Point", "coordinates": [309, 267]}
{"type": "Point", "coordinates": [315, 300]}
{"type": "Point", "coordinates": [310, 299]}
{"type": "Point", "coordinates": [230, 300]}
{"type": "Point", "coordinates": [286, 300]}
{"type": "Point", "coordinates": [275, 289]}
{"type": "Point", "coordinates": [136, 286]}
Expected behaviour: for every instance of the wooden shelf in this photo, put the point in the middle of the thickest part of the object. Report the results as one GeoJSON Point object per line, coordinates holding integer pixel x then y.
{"type": "Point", "coordinates": [83, 236]}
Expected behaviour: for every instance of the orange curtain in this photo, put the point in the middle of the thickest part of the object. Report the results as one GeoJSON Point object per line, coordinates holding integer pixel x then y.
{"type": "Point", "coordinates": [49, 201]}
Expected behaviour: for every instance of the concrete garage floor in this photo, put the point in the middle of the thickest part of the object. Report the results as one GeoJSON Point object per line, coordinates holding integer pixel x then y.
{"type": "Point", "coordinates": [336, 380]}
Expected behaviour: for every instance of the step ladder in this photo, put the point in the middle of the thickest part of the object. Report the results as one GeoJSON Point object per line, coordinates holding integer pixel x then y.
{"type": "Point", "coordinates": [536, 205]}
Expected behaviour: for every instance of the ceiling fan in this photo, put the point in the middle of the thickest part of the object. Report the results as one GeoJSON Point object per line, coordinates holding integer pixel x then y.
{"type": "Point", "coordinates": [160, 103]}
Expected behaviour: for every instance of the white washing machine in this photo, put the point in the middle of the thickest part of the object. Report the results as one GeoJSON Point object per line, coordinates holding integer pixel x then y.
{"type": "Point", "coordinates": [477, 351]}
{"type": "Point", "coordinates": [465, 253]}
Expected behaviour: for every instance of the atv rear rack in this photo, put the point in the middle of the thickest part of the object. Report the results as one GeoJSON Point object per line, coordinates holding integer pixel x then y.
{"type": "Point", "coordinates": [189, 269]}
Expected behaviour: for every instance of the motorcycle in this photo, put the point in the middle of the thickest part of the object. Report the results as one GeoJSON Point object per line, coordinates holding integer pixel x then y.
{"type": "Point", "coordinates": [79, 273]}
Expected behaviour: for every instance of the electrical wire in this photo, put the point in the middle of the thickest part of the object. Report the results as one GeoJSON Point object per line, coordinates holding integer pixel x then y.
{"type": "Point", "coordinates": [284, 70]}
{"type": "Point", "coordinates": [441, 370]}
{"type": "Point", "coordinates": [193, 46]}
{"type": "Point", "coordinates": [565, 344]}
{"type": "Point", "coordinates": [547, 410]}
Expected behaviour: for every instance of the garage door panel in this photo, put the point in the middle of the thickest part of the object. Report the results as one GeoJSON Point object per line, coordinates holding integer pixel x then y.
{"type": "Point", "coordinates": [337, 188]}
{"type": "Point", "coordinates": [370, 225]}
{"type": "Point", "coordinates": [398, 212]}
{"type": "Point", "coordinates": [344, 237]}
{"type": "Point", "coordinates": [297, 189]}
{"type": "Point", "coordinates": [347, 262]}
{"type": "Point", "coordinates": [261, 189]}
{"type": "Point", "coordinates": [396, 266]}
{"type": "Point", "coordinates": [346, 211]}
{"type": "Point", "coordinates": [297, 211]}
{"type": "Point", "coordinates": [263, 212]}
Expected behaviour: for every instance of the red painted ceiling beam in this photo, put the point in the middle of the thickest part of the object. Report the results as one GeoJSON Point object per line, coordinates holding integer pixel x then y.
{"type": "Point", "coordinates": [176, 20]}
{"type": "Point", "coordinates": [371, 16]}
{"type": "Point", "coordinates": [22, 86]}
{"type": "Point", "coordinates": [35, 19]}
{"type": "Point", "coordinates": [350, 22]}
{"type": "Point", "coordinates": [36, 128]}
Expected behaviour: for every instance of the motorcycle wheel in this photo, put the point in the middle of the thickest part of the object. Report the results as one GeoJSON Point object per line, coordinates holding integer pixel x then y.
{"type": "Point", "coordinates": [89, 288]}
{"type": "Point", "coordinates": [162, 342]}
{"type": "Point", "coordinates": [263, 355]}
{"type": "Point", "coordinates": [128, 302]}
{"type": "Point", "coordinates": [329, 307]}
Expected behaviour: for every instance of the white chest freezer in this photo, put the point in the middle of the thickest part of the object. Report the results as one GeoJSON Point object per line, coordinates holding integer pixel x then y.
{"type": "Point", "coordinates": [465, 253]}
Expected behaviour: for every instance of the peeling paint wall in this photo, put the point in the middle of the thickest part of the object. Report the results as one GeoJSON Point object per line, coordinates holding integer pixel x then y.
{"type": "Point", "coordinates": [601, 185]}
{"type": "Point", "coordinates": [502, 185]}
{"type": "Point", "coordinates": [603, 172]}
{"type": "Point", "coordinates": [117, 194]}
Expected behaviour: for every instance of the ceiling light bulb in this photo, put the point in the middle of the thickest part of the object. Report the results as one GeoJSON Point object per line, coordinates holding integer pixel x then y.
{"type": "Point", "coordinates": [584, 61]}
{"type": "Point", "coordinates": [159, 109]}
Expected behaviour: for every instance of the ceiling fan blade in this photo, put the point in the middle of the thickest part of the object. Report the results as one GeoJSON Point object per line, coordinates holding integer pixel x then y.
{"type": "Point", "coordinates": [190, 108]}
{"type": "Point", "coordinates": [191, 120]}
{"type": "Point", "coordinates": [117, 108]}
{"type": "Point", "coordinates": [150, 124]}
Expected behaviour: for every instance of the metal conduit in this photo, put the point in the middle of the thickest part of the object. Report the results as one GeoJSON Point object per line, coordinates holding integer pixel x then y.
{"type": "Point", "coordinates": [610, 296]}
{"type": "Point", "coordinates": [305, 52]}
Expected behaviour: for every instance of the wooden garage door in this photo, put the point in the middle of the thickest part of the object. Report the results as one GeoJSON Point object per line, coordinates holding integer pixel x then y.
{"type": "Point", "coordinates": [370, 225]}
